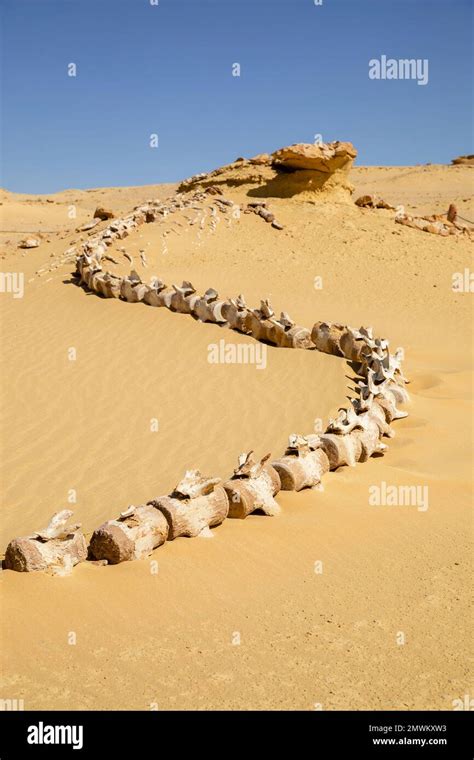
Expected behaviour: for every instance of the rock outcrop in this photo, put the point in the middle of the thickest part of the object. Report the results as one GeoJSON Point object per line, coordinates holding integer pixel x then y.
{"type": "Point", "coordinates": [463, 160]}
{"type": "Point", "coordinates": [303, 170]}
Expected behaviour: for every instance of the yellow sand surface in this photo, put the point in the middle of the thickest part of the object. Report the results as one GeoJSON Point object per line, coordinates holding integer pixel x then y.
{"type": "Point", "coordinates": [240, 621]}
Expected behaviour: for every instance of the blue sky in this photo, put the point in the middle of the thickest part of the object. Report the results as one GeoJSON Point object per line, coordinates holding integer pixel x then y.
{"type": "Point", "coordinates": [167, 69]}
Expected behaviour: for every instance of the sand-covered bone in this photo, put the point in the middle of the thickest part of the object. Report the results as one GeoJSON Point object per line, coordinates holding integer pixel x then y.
{"type": "Point", "coordinates": [326, 336]}
{"type": "Point", "coordinates": [184, 298]}
{"type": "Point", "coordinates": [236, 314]}
{"type": "Point", "coordinates": [252, 487]}
{"type": "Point", "coordinates": [303, 464]}
{"type": "Point", "coordinates": [195, 504]}
{"type": "Point", "coordinates": [209, 307]}
{"type": "Point", "coordinates": [133, 535]}
{"type": "Point", "coordinates": [55, 548]}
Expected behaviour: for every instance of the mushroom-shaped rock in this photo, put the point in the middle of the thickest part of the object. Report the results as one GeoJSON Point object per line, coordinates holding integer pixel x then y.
{"type": "Point", "coordinates": [133, 535]}
{"type": "Point", "coordinates": [56, 548]}
{"type": "Point", "coordinates": [103, 213]}
{"type": "Point", "coordinates": [326, 157]}
{"type": "Point", "coordinates": [252, 487]}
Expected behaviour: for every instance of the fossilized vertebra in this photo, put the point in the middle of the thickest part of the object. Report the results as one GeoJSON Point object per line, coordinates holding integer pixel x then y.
{"type": "Point", "coordinates": [208, 308]}
{"type": "Point", "coordinates": [252, 486]}
{"type": "Point", "coordinates": [56, 548]}
{"type": "Point", "coordinates": [196, 503]}
{"type": "Point", "coordinates": [133, 535]}
{"type": "Point", "coordinates": [303, 464]}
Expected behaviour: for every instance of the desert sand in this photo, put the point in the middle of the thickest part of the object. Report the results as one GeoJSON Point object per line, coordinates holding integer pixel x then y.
{"type": "Point", "coordinates": [167, 640]}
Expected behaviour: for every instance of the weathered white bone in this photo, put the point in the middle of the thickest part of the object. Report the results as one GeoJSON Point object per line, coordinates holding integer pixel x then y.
{"type": "Point", "coordinates": [158, 294]}
{"type": "Point", "coordinates": [197, 502]}
{"type": "Point", "coordinates": [56, 548]}
{"type": "Point", "coordinates": [326, 337]}
{"type": "Point", "coordinates": [132, 289]}
{"type": "Point", "coordinates": [195, 484]}
{"type": "Point", "coordinates": [184, 298]}
{"type": "Point", "coordinates": [107, 285]}
{"type": "Point", "coordinates": [132, 536]}
{"type": "Point", "coordinates": [252, 487]}
{"type": "Point", "coordinates": [235, 313]}
{"type": "Point", "coordinates": [366, 427]}
{"type": "Point", "coordinates": [56, 527]}
{"type": "Point", "coordinates": [303, 464]}
{"type": "Point", "coordinates": [260, 322]}
{"type": "Point", "coordinates": [348, 420]}
{"type": "Point", "coordinates": [387, 387]}
{"type": "Point", "coordinates": [372, 406]}
{"type": "Point", "coordinates": [383, 397]}
{"type": "Point", "coordinates": [353, 344]}
{"type": "Point", "coordinates": [208, 308]}
{"type": "Point", "coordinates": [342, 449]}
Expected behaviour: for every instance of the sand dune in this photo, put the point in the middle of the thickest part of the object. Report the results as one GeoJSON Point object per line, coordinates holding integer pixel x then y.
{"type": "Point", "coordinates": [306, 638]}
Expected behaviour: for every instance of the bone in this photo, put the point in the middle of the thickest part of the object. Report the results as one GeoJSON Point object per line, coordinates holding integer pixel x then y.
{"type": "Point", "coordinates": [184, 298]}
{"type": "Point", "coordinates": [387, 388]}
{"type": "Point", "coordinates": [236, 314]}
{"type": "Point", "coordinates": [196, 503]}
{"type": "Point", "coordinates": [208, 308]}
{"type": "Point", "coordinates": [252, 487]}
{"type": "Point", "coordinates": [341, 449]}
{"type": "Point", "coordinates": [107, 285]}
{"type": "Point", "coordinates": [366, 427]}
{"type": "Point", "coordinates": [55, 549]}
{"type": "Point", "coordinates": [132, 536]}
{"type": "Point", "coordinates": [158, 294]}
{"type": "Point", "coordinates": [132, 289]}
{"type": "Point", "coordinates": [353, 344]}
{"type": "Point", "coordinates": [287, 334]}
{"type": "Point", "coordinates": [326, 336]}
{"type": "Point", "coordinates": [259, 322]}
{"type": "Point", "coordinates": [303, 464]}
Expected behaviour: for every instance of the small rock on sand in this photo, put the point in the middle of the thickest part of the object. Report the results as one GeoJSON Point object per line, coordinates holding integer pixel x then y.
{"type": "Point", "coordinates": [103, 213]}
{"type": "Point", "coordinates": [29, 242]}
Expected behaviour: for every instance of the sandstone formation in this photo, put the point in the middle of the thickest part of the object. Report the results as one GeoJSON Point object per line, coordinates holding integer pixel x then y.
{"type": "Point", "coordinates": [463, 160]}
{"type": "Point", "coordinates": [103, 213]}
{"type": "Point", "coordinates": [325, 157]}
{"type": "Point", "coordinates": [303, 170]}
